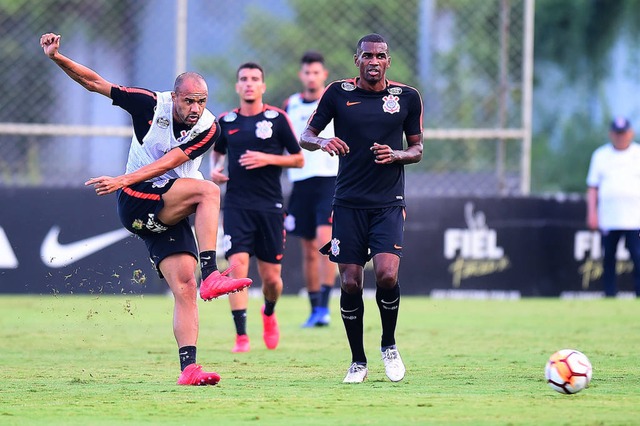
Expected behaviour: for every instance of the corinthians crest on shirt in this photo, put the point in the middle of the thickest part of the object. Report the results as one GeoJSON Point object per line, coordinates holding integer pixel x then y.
{"type": "Point", "coordinates": [264, 129]}
{"type": "Point", "coordinates": [391, 104]}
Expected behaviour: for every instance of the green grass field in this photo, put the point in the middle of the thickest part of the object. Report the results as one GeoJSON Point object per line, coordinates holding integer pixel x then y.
{"type": "Point", "coordinates": [113, 360]}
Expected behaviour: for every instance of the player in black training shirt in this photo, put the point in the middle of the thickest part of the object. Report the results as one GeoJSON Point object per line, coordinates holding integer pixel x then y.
{"type": "Point", "coordinates": [371, 114]}
{"type": "Point", "coordinates": [162, 187]}
{"type": "Point", "coordinates": [254, 138]}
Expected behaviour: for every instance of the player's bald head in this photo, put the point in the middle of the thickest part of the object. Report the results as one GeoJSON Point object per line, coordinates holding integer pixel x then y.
{"type": "Point", "coordinates": [190, 81]}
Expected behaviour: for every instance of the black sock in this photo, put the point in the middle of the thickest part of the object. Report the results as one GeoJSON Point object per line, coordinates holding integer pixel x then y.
{"type": "Point", "coordinates": [352, 312]}
{"type": "Point", "coordinates": [208, 263]}
{"type": "Point", "coordinates": [314, 299]}
{"type": "Point", "coordinates": [187, 356]}
{"type": "Point", "coordinates": [240, 320]}
{"type": "Point", "coordinates": [388, 304]}
{"type": "Point", "coordinates": [269, 307]}
{"type": "Point", "coordinates": [325, 292]}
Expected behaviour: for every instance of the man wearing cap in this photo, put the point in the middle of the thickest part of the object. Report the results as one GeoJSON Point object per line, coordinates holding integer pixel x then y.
{"type": "Point", "coordinates": [613, 200]}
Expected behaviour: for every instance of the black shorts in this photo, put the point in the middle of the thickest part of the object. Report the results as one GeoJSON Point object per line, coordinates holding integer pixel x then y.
{"type": "Point", "coordinates": [310, 206]}
{"type": "Point", "coordinates": [255, 232]}
{"type": "Point", "coordinates": [137, 207]}
{"type": "Point", "coordinates": [360, 234]}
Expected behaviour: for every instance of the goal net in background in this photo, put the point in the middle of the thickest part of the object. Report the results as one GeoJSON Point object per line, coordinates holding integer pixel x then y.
{"type": "Point", "coordinates": [471, 60]}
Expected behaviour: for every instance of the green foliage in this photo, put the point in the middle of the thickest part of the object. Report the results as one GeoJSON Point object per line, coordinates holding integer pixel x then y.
{"type": "Point", "coordinates": [324, 25]}
{"type": "Point", "coordinates": [564, 168]}
{"type": "Point", "coordinates": [577, 37]}
{"type": "Point", "coordinates": [78, 360]}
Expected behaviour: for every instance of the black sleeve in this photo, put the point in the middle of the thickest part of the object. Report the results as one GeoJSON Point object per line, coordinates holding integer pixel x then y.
{"type": "Point", "coordinates": [139, 103]}
{"type": "Point", "coordinates": [287, 135]}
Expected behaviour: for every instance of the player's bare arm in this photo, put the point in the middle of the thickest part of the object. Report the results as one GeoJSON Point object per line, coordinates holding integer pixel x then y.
{"type": "Point", "coordinates": [310, 141]}
{"type": "Point", "coordinates": [412, 154]}
{"type": "Point", "coordinates": [256, 159]}
{"type": "Point", "coordinates": [104, 185]}
{"type": "Point", "coordinates": [85, 76]}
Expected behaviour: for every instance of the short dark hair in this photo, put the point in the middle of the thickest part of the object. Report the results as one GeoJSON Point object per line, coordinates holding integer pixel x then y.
{"type": "Point", "coordinates": [311, 56]}
{"type": "Point", "coordinates": [370, 38]}
{"type": "Point", "coordinates": [250, 66]}
{"type": "Point", "coordinates": [184, 76]}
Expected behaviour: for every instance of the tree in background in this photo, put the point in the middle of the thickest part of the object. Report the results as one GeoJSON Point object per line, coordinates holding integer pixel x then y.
{"type": "Point", "coordinates": [574, 44]}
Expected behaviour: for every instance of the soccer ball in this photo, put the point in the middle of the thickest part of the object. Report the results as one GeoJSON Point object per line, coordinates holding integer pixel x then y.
{"type": "Point", "coordinates": [568, 371]}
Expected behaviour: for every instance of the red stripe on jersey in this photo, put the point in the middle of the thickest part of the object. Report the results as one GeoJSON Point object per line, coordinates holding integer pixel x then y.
{"type": "Point", "coordinates": [204, 141]}
{"type": "Point", "coordinates": [143, 195]}
{"type": "Point", "coordinates": [138, 90]}
{"type": "Point", "coordinates": [283, 112]}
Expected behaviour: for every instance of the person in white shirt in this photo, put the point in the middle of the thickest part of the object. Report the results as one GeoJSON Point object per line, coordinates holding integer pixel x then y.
{"type": "Point", "coordinates": [309, 211]}
{"type": "Point", "coordinates": [613, 200]}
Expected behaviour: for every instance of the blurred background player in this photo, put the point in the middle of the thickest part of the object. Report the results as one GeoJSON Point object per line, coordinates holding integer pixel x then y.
{"type": "Point", "coordinates": [370, 115]}
{"type": "Point", "coordinates": [613, 200]}
{"type": "Point", "coordinates": [254, 138]}
{"type": "Point", "coordinates": [309, 212]}
{"type": "Point", "coordinates": [162, 187]}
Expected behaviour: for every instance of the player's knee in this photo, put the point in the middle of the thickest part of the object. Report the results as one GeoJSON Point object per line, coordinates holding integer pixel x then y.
{"type": "Point", "coordinates": [184, 290]}
{"type": "Point", "coordinates": [387, 279]}
{"type": "Point", "coordinates": [209, 190]}
{"type": "Point", "coordinates": [352, 286]}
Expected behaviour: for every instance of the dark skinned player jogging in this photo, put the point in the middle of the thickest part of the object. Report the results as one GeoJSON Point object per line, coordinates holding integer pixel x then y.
{"type": "Point", "coordinates": [370, 114]}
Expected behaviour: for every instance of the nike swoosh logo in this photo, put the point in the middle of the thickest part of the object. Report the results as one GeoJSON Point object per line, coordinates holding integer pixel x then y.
{"type": "Point", "coordinates": [389, 303]}
{"type": "Point", "coordinates": [397, 247]}
{"type": "Point", "coordinates": [8, 259]}
{"type": "Point", "coordinates": [56, 255]}
{"type": "Point", "coordinates": [352, 103]}
{"type": "Point", "coordinates": [232, 131]}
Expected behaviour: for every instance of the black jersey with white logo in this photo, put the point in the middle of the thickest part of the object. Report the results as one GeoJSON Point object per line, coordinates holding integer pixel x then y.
{"type": "Point", "coordinates": [362, 117]}
{"type": "Point", "coordinates": [269, 132]}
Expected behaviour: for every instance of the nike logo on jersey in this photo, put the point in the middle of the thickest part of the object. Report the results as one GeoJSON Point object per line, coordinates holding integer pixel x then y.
{"type": "Point", "coordinates": [349, 103]}
{"type": "Point", "coordinates": [397, 247]}
{"type": "Point", "coordinates": [56, 255]}
{"type": "Point", "coordinates": [233, 131]}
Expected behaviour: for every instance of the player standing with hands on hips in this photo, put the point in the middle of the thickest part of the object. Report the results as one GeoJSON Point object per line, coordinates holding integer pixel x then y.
{"type": "Point", "coordinates": [162, 187]}
{"type": "Point", "coordinates": [309, 212]}
{"type": "Point", "coordinates": [370, 115]}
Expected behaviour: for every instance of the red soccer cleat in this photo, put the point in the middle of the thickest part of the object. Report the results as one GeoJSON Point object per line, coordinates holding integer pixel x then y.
{"type": "Point", "coordinates": [271, 332]}
{"type": "Point", "coordinates": [218, 284]}
{"type": "Point", "coordinates": [194, 376]}
{"type": "Point", "coordinates": [242, 343]}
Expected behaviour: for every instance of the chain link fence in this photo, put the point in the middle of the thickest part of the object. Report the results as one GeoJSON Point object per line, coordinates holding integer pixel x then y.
{"type": "Point", "coordinates": [468, 58]}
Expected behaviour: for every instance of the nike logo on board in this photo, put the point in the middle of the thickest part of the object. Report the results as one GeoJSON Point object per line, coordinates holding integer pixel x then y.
{"type": "Point", "coordinates": [8, 259]}
{"type": "Point", "coordinates": [349, 103]}
{"type": "Point", "coordinates": [56, 255]}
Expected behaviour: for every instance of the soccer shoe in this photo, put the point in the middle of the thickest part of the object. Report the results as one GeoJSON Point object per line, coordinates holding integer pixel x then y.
{"type": "Point", "coordinates": [393, 365]}
{"type": "Point", "coordinates": [324, 319]}
{"type": "Point", "coordinates": [319, 317]}
{"type": "Point", "coordinates": [242, 343]}
{"type": "Point", "coordinates": [271, 332]}
{"type": "Point", "coordinates": [194, 376]}
{"type": "Point", "coordinates": [218, 284]}
{"type": "Point", "coordinates": [356, 373]}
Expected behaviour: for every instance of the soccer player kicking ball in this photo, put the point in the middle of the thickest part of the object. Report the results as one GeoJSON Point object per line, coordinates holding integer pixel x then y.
{"type": "Point", "coordinates": [370, 115]}
{"type": "Point", "coordinates": [162, 187]}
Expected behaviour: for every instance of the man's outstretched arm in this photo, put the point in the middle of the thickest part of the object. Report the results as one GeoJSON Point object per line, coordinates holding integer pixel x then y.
{"type": "Point", "coordinates": [86, 77]}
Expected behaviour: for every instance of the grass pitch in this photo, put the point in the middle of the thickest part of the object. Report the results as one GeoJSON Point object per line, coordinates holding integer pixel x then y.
{"type": "Point", "coordinates": [113, 360]}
